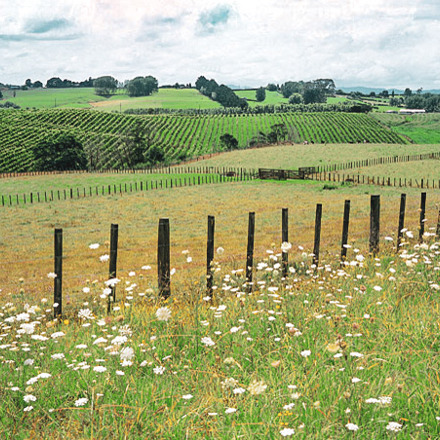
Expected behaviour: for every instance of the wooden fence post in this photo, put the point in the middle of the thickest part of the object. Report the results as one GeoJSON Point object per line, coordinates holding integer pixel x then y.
{"type": "Point", "coordinates": [250, 250]}
{"type": "Point", "coordinates": [317, 240]}
{"type": "Point", "coordinates": [422, 216]}
{"type": "Point", "coordinates": [210, 253]}
{"type": "Point", "coordinates": [285, 238]}
{"type": "Point", "coordinates": [374, 223]}
{"type": "Point", "coordinates": [163, 258]}
{"type": "Point", "coordinates": [401, 220]}
{"type": "Point", "coordinates": [112, 264]}
{"type": "Point", "coordinates": [438, 224]}
{"type": "Point", "coordinates": [345, 225]}
{"type": "Point", "coordinates": [58, 280]}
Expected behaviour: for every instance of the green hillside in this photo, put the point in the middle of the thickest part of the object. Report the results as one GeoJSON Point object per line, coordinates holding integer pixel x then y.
{"type": "Point", "coordinates": [178, 135]}
{"type": "Point", "coordinates": [85, 97]}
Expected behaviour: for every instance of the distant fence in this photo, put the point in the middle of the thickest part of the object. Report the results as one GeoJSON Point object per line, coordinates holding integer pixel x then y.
{"type": "Point", "coordinates": [205, 175]}
{"type": "Point", "coordinates": [377, 161]}
{"type": "Point", "coordinates": [300, 173]}
{"type": "Point", "coordinates": [163, 247]}
{"type": "Point", "coordinates": [397, 182]}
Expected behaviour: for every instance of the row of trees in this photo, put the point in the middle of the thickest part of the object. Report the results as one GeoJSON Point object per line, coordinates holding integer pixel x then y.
{"type": "Point", "coordinates": [222, 94]}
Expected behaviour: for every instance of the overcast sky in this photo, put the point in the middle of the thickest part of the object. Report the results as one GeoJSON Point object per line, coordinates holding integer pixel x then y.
{"type": "Point", "coordinates": [380, 43]}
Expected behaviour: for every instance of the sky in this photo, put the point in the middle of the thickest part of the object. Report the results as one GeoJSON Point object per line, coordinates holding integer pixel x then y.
{"type": "Point", "coordinates": [372, 43]}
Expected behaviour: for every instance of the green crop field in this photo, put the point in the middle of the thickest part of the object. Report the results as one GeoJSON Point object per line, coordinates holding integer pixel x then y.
{"type": "Point", "coordinates": [177, 134]}
{"type": "Point", "coordinates": [422, 129]}
{"type": "Point", "coordinates": [85, 97]}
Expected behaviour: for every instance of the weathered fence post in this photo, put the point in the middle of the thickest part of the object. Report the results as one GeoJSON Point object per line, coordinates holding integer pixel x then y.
{"type": "Point", "coordinates": [345, 225]}
{"type": "Point", "coordinates": [285, 239]}
{"type": "Point", "coordinates": [112, 263]}
{"type": "Point", "coordinates": [58, 280]}
{"type": "Point", "coordinates": [374, 223]}
{"type": "Point", "coordinates": [163, 258]}
{"type": "Point", "coordinates": [401, 220]}
{"type": "Point", "coordinates": [250, 250]}
{"type": "Point", "coordinates": [438, 224]}
{"type": "Point", "coordinates": [317, 240]}
{"type": "Point", "coordinates": [422, 216]}
{"type": "Point", "coordinates": [210, 253]}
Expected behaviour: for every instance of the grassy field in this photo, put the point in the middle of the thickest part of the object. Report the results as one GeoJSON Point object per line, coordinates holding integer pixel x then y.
{"type": "Point", "coordinates": [272, 98]}
{"type": "Point", "coordinates": [422, 129]}
{"type": "Point", "coordinates": [424, 169]}
{"type": "Point", "coordinates": [336, 354]}
{"type": "Point", "coordinates": [298, 155]}
{"type": "Point", "coordinates": [85, 97]}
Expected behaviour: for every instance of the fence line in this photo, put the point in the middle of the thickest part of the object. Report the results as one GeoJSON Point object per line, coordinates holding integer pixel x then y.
{"type": "Point", "coordinates": [163, 247]}
{"type": "Point", "coordinates": [397, 182]}
{"type": "Point", "coordinates": [205, 175]}
{"type": "Point", "coordinates": [384, 160]}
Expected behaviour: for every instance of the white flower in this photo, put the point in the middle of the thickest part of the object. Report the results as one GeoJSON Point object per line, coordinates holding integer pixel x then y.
{"type": "Point", "coordinates": [230, 410]}
{"type": "Point", "coordinates": [159, 369]}
{"type": "Point", "coordinates": [285, 246]}
{"type": "Point", "coordinates": [356, 354]}
{"type": "Point", "coordinates": [220, 251]}
{"type": "Point", "coordinates": [85, 314]}
{"type": "Point", "coordinates": [99, 369]}
{"type": "Point", "coordinates": [394, 426]}
{"type": "Point", "coordinates": [355, 380]}
{"type": "Point", "coordinates": [29, 398]}
{"type": "Point", "coordinates": [51, 275]}
{"type": "Point", "coordinates": [208, 341]}
{"type": "Point", "coordinates": [127, 354]}
{"type": "Point", "coordinates": [238, 390]}
{"type": "Point", "coordinates": [288, 406]}
{"type": "Point", "coordinates": [104, 258]}
{"type": "Point", "coordinates": [306, 353]}
{"type": "Point", "coordinates": [352, 427]}
{"type": "Point", "coordinates": [81, 402]}
{"type": "Point", "coordinates": [94, 246]}
{"type": "Point", "coordinates": [163, 314]}
{"type": "Point", "coordinates": [57, 335]}
{"type": "Point", "coordinates": [187, 396]}
{"type": "Point", "coordinates": [189, 260]}
{"type": "Point", "coordinates": [28, 408]}
{"type": "Point", "coordinates": [287, 432]}
{"type": "Point", "coordinates": [257, 387]}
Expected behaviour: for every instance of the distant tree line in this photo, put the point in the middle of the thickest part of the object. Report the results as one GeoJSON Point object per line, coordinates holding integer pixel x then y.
{"type": "Point", "coordinates": [309, 92]}
{"type": "Point", "coordinates": [222, 94]}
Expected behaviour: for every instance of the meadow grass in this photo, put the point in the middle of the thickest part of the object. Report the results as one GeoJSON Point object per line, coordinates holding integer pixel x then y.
{"type": "Point", "coordinates": [60, 182]}
{"type": "Point", "coordinates": [331, 353]}
{"type": "Point", "coordinates": [423, 169]}
{"type": "Point", "coordinates": [85, 97]}
{"type": "Point", "coordinates": [272, 98]}
{"type": "Point", "coordinates": [292, 156]}
{"type": "Point", "coordinates": [26, 249]}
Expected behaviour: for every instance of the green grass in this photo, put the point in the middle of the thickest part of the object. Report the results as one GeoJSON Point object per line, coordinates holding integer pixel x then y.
{"type": "Point", "coordinates": [86, 98]}
{"type": "Point", "coordinates": [294, 156]}
{"type": "Point", "coordinates": [422, 129]}
{"type": "Point", "coordinates": [378, 316]}
{"type": "Point", "coordinates": [272, 98]}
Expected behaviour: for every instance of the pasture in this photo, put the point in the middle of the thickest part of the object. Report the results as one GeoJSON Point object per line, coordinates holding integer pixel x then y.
{"type": "Point", "coordinates": [333, 352]}
{"type": "Point", "coordinates": [85, 97]}
{"type": "Point", "coordinates": [337, 353]}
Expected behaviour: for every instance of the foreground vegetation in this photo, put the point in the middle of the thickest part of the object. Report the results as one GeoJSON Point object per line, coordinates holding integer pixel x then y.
{"type": "Point", "coordinates": [332, 353]}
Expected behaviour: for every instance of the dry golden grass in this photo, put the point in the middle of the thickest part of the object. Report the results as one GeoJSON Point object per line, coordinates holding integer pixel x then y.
{"type": "Point", "coordinates": [26, 241]}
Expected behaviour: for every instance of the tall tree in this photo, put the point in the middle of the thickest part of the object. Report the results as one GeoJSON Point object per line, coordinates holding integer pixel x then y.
{"type": "Point", "coordinates": [142, 86]}
{"type": "Point", "coordinates": [105, 85]}
{"type": "Point", "coordinates": [260, 94]}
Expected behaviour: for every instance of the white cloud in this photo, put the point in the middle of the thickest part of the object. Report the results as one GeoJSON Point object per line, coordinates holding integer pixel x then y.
{"type": "Point", "coordinates": [356, 42]}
